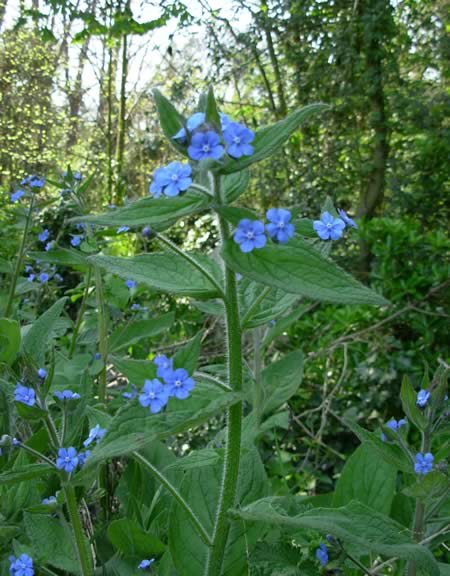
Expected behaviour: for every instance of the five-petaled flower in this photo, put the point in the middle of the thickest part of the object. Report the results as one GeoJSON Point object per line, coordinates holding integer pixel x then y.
{"type": "Point", "coordinates": [206, 145]}
{"type": "Point", "coordinates": [76, 240]}
{"type": "Point", "coordinates": [279, 228]}
{"type": "Point", "coordinates": [95, 434]}
{"type": "Point", "coordinates": [44, 235]}
{"type": "Point", "coordinates": [179, 382]}
{"type": "Point", "coordinates": [24, 395]}
{"type": "Point", "coordinates": [130, 284]}
{"type": "Point", "coordinates": [249, 234]}
{"type": "Point", "coordinates": [346, 218]}
{"type": "Point", "coordinates": [144, 564]}
{"type": "Point", "coordinates": [17, 195]}
{"type": "Point", "coordinates": [32, 181]}
{"type": "Point", "coordinates": [67, 395]}
{"type": "Point", "coordinates": [43, 277]}
{"type": "Point", "coordinates": [329, 227]}
{"type": "Point", "coordinates": [238, 138]}
{"type": "Point", "coordinates": [21, 566]}
{"type": "Point", "coordinates": [170, 180]}
{"type": "Point", "coordinates": [393, 425]}
{"type": "Point", "coordinates": [322, 554]}
{"type": "Point", "coordinates": [154, 395]}
{"type": "Point", "coordinates": [67, 459]}
{"type": "Point", "coordinates": [163, 364]}
{"type": "Point", "coordinates": [423, 463]}
{"type": "Point", "coordinates": [422, 398]}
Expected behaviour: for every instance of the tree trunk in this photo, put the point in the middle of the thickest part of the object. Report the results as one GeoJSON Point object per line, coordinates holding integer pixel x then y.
{"type": "Point", "coordinates": [121, 128]}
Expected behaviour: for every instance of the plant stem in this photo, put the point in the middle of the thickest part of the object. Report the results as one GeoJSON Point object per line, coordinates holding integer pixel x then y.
{"type": "Point", "coordinates": [258, 396]}
{"type": "Point", "coordinates": [178, 497]}
{"type": "Point", "coordinates": [234, 416]}
{"type": "Point", "coordinates": [82, 549]}
{"type": "Point", "coordinates": [102, 334]}
{"type": "Point", "coordinates": [37, 454]}
{"type": "Point", "coordinates": [52, 431]}
{"type": "Point", "coordinates": [80, 313]}
{"type": "Point", "coordinates": [12, 289]}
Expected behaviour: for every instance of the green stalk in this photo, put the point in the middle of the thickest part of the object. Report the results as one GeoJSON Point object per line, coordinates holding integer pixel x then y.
{"type": "Point", "coordinates": [230, 476]}
{"type": "Point", "coordinates": [12, 289]}
{"type": "Point", "coordinates": [258, 393]}
{"type": "Point", "coordinates": [102, 334]}
{"type": "Point", "coordinates": [80, 313]}
{"type": "Point", "coordinates": [82, 550]}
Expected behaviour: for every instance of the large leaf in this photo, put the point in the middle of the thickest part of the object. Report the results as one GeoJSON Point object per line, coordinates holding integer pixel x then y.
{"type": "Point", "coordinates": [131, 333]}
{"type": "Point", "coordinates": [298, 268]}
{"type": "Point", "coordinates": [164, 271]}
{"type": "Point", "coordinates": [9, 340]}
{"type": "Point", "coordinates": [35, 340]}
{"type": "Point", "coordinates": [269, 139]}
{"type": "Point", "coordinates": [366, 477]}
{"type": "Point", "coordinates": [133, 427]}
{"type": "Point", "coordinates": [62, 257]}
{"type": "Point", "coordinates": [131, 540]}
{"type": "Point", "coordinates": [27, 472]}
{"type": "Point", "coordinates": [201, 488]}
{"type": "Point", "coordinates": [280, 380]}
{"type": "Point", "coordinates": [151, 211]}
{"type": "Point", "coordinates": [355, 523]}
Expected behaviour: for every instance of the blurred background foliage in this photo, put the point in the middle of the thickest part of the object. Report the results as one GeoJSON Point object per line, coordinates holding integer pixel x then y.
{"type": "Point", "coordinates": [75, 89]}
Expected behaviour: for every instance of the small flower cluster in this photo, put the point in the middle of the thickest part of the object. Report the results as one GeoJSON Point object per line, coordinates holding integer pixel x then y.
{"type": "Point", "coordinates": [393, 425]}
{"type": "Point", "coordinates": [68, 458]}
{"type": "Point", "coordinates": [322, 554]}
{"type": "Point", "coordinates": [43, 273]}
{"type": "Point", "coordinates": [422, 398]}
{"type": "Point", "coordinates": [33, 182]}
{"type": "Point", "coordinates": [21, 566]}
{"type": "Point", "coordinates": [251, 234]}
{"type": "Point", "coordinates": [331, 228]}
{"type": "Point", "coordinates": [175, 382]}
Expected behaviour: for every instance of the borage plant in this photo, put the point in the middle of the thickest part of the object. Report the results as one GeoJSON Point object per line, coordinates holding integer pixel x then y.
{"type": "Point", "coordinates": [111, 498]}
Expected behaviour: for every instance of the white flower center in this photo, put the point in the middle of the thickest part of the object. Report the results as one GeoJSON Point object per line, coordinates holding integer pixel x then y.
{"type": "Point", "coordinates": [152, 395]}
{"type": "Point", "coordinates": [250, 235]}
{"type": "Point", "coordinates": [178, 383]}
{"type": "Point", "coordinates": [236, 140]}
{"type": "Point", "coordinates": [67, 459]}
{"type": "Point", "coordinates": [280, 224]}
{"type": "Point", "coordinates": [174, 177]}
{"type": "Point", "coordinates": [205, 148]}
{"type": "Point", "coordinates": [329, 225]}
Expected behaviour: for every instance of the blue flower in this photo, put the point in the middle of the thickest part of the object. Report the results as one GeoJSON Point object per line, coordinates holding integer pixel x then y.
{"type": "Point", "coordinates": [154, 395]}
{"type": "Point", "coordinates": [136, 306]}
{"type": "Point", "coordinates": [24, 395]}
{"type": "Point", "coordinates": [132, 394]}
{"type": "Point", "coordinates": [67, 459]}
{"type": "Point", "coordinates": [192, 123]}
{"type": "Point", "coordinates": [206, 145]}
{"type": "Point", "coordinates": [422, 398]}
{"type": "Point", "coordinates": [279, 228]}
{"type": "Point", "coordinates": [42, 373]}
{"type": "Point", "coordinates": [95, 434]}
{"type": "Point", "coordinates": [163, 363]}
{"type": "Point", "coordinates": [146, 231]}
{"type": "Point", "coordinates": [32, 181]}
{"type": "Point", "coordinates": [322, 554]}
{"type": "Point", "coordinates": [146, 564]}
{"type": "Point", "coordinates": [43, 277]}
{"type": "Point", "coordinates": [21, 566]}
{"type": "Point", "coordinates": [393, 425]}
{"type": "Point", "coordinates": [31, 277]}
{"type": "Point", "coordinates": [225, 121]}
{"type": "Point", "coordinates": [77, 176]}
{"type": "Point", "coordinates": [329, 227]}
{"type": "Point", "coordinates": [349, 221]}
{"type": "Point", "coordinates": [238, 138]}
{"type": "Point", "coordinates": [49, 500]}
{"type": "Point", "coordinates": [111, 206]}
{"type": "Point", "coordinates": [249, 234]}
{"type": "Point", "coordinates": [76, 240]}
{"type": "Point", "coordinates": [179, 382]}
{"type": "Point", "coordinates": [170, 180]}
{"type": "Point", "coordinates": [44, 235]}
{"type": "Point", "coordinates": [97, 356]}
{"type": "Point", "coordinates": [67, 395]}
{"type": "Point", "coordinates": [80, 226]}
{"type": "Point", "coordinates": [82, 457]}
{"type": "Point", "coordinates": [423, 463]}
{"type": "Point", "coordinates": [58, 277]}
{"type": "Point", "coordinates": [121, 229]}
{"type": "Point", "coordinates": [49, 246]}
{"type": "Point", "coordinates": [130, 284]}
{"type": "Point", "coordinates": [17, 195]}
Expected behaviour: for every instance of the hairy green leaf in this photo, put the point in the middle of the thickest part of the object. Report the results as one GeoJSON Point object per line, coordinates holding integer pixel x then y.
{"type": "Point", "coordinates": [9, 340]}
{"type": "Point", "coordinates": [131, 333]}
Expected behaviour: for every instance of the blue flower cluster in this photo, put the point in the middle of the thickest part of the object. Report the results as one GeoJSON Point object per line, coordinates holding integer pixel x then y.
{"type": "Point", "coordinates": [251, 234]}
{"type": "Point", "coordinates": [32, 181]}
{"type": "Point", "coordinates": [42, 273]}
{"type": "Point", "coordinates": [393, 425]}
{"type": "Point", "coordinates": [331, 228]}
{"type": "Point", "coordinates": [21, 566]}
{"type": "Point", "coordinates": [67, 395]}
{"type": "Point", "coordinates": [422, 398]}
{"type": "Point", "coordinates": [322, 554]}
{"type": "Point", "coordinates": [175, 382]}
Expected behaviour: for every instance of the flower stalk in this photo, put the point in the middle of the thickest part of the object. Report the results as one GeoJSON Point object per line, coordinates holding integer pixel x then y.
{"type": "Point", "coordinates": [81, 545]}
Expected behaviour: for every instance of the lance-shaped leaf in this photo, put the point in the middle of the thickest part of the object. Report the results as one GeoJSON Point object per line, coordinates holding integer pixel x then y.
{"type": "Point", "coordinates": [9, 340]}
{"type": "Point", "coordinates": [170, 119]}
{"type": "Point", "coordinates": [62, 257]}
{"type": "Point", "coordinates": [269, 139]}
{"type": "Point", "coordinates": [27, 472]}
{"type": "Point", "coordinates": [131, 333]}
{"type": "Point", "coordinates": [280, 380]}
{"type": "Point", "coordinates": [164, 271]}
{"type": "Point", "coordinates": [355, 523]}
{"type": "Point", "coordinates": [35, 340]}
{"type": "Point", "coordinates": [298, 268]}
{"type": "Point", "coordinates": [234, 185]}
{"type": "Point", "coordinates": [151, 211]}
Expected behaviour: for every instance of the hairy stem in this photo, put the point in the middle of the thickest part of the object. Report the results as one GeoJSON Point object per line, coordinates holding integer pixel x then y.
{"type": "Point", "coordinates": [178, 497]}
{"type": "Point", "coordinates": [234, 416]}
{"type": "Point", "coordinates": [81, 544]}
{"type": "Point", "coordinates": [80, 313]}
{"type": "Point", "coordinates": [102, 334]}
{"type": "Point", "coordinates": [15, 276]}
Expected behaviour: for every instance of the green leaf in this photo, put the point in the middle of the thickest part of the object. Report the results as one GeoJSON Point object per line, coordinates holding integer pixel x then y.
{"type": "Point", "coordinates": [298, 268]}
{"type": "Point", "coordinates": [27, 472]}
{"type": "Point", "coordinates": [212, 114]}
{"type": "Point", "coordinates": [124, 336]}
{"type": "Point", "coordinates": [151, 211]}
{"type": "Point", "coordinates": [432, 485]}
{"type": "Point", "coordinates": [136, 371]}
{"type": "Point", "coordinates": [7, 533]}
{"type": "Point", "coordinates": [197, 459]}
{"type": "Point", "coordinates": [234, 214]}
{"type": "Point", "coordinates": [163, 271]}
{"type": "Point", "coordinates": [133, 427]}
{"type": "Point", "coordinates": [34, 343]}
{"type": "Point", "coordinates": [234, 185]}
{"type": "Point", "coordinates": [131, 540]}
{"type": "Point", "coordinates": [9, 340]}
{"type": "Point", "coordinates": [389, 452]}
{"type": "Point", "coordinates": [283, 323]}
{"type": "Point", "coordinates": [281, 380]}
{"type": "Point", "coordinates": [355, 523]}
{"type": "Point", "coordinates": [366, 477]}
{"type": "Point", "coordinates": [269, 139]}
{"type": "Point", "coordinates": [62, 257]}
{"type": "Point", "coordinates": [274, 303]}
{"type": "Point", "coordinates": [170, 119]}
{"type": "Point", "coordinates": [408, 397]}
{"type": "Point", "coordinates": [187, 356]}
